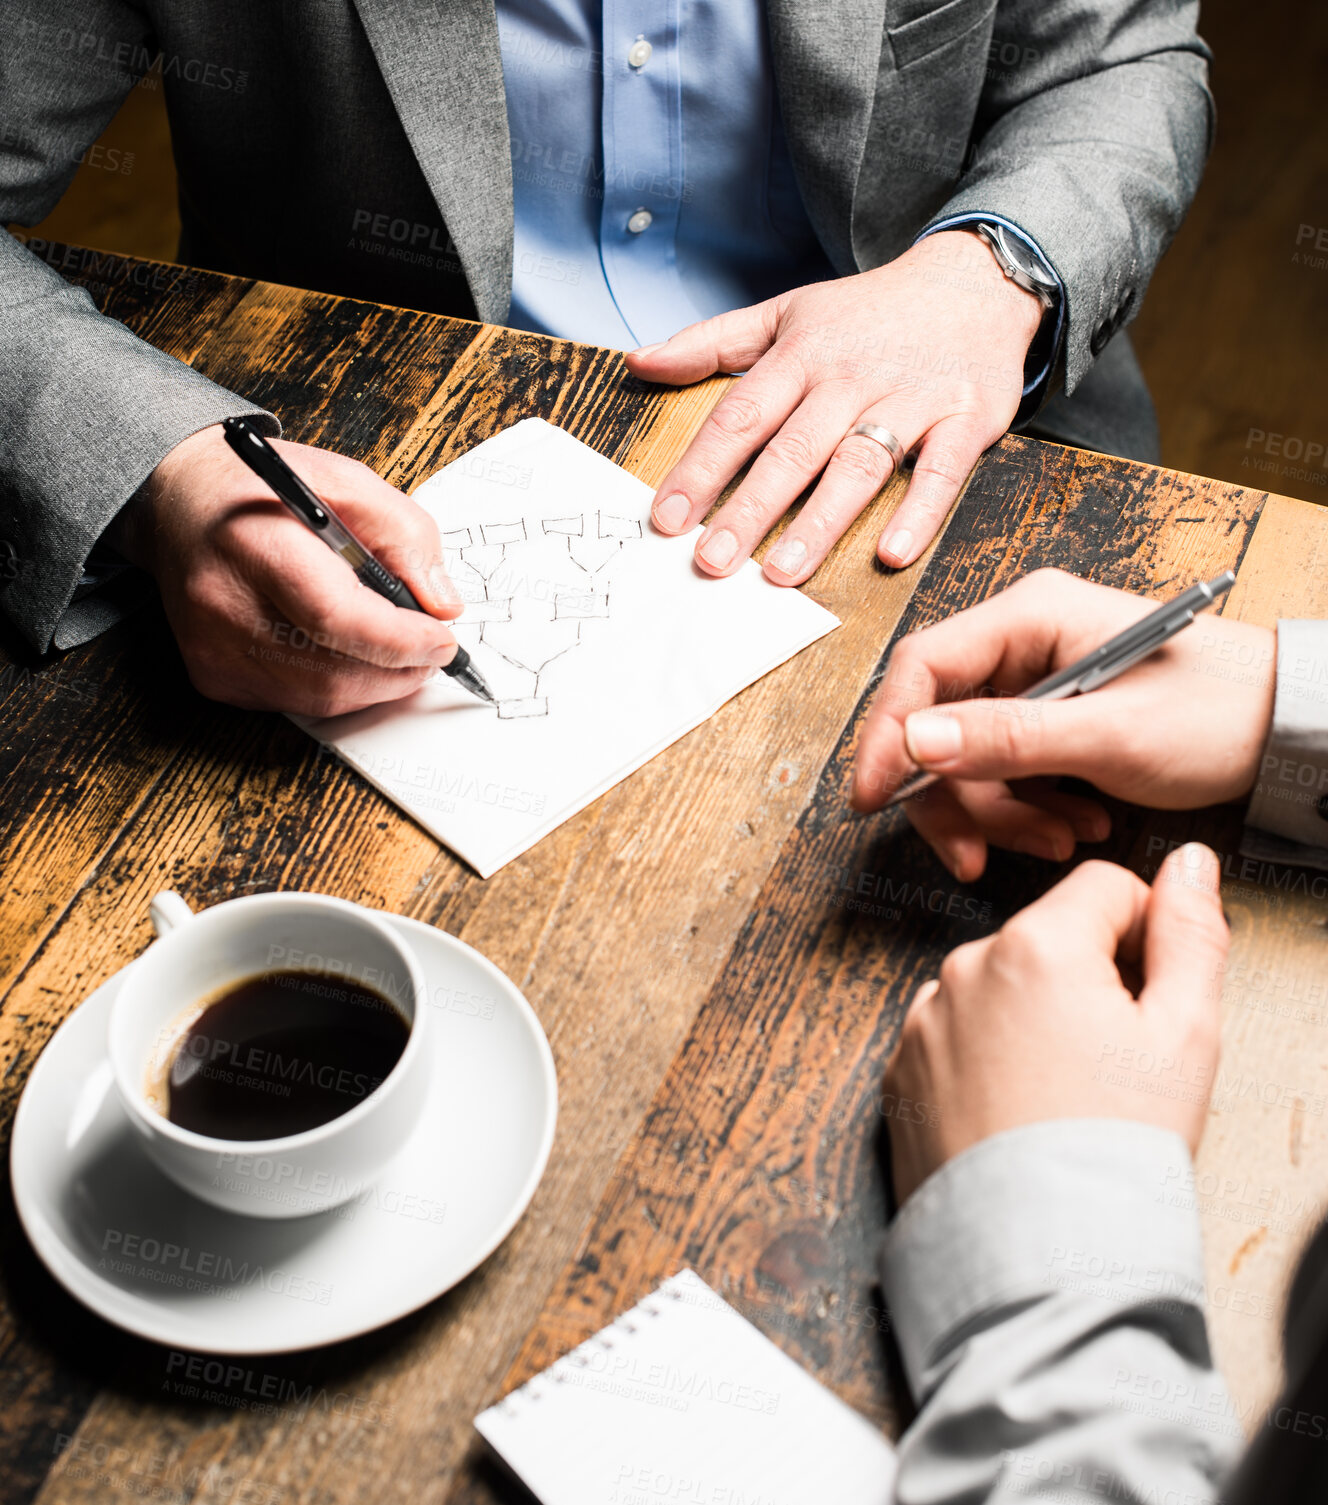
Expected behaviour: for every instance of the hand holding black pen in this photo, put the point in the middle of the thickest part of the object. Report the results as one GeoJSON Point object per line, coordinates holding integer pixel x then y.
{"type": "Point", "coordinates": [1182, 723]}
{"type": "Point", "coordinates": [265, 616]}
{"type": "Point", "coordinates": [318, 516]}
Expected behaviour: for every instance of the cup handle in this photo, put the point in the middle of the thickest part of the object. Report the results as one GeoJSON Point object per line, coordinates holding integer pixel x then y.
{"type": "Point", "coordinates": [168, 910]}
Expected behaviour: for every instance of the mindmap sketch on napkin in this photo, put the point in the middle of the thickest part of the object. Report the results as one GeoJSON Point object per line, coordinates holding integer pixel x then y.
{"type": "Point", "coordinates": [515, 630]}
{"type": "Point", "coordinates": [602, 642]}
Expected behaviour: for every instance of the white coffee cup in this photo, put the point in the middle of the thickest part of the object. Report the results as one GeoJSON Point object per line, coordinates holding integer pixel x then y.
{"type": "Point", "coordinates": [199, 956]}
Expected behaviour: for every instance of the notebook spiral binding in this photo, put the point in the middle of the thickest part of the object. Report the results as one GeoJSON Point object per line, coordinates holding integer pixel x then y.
{"type": "Point", "coordinates": [583, 1356]}
{"type": "Point", "coordinates": [725, 1411]}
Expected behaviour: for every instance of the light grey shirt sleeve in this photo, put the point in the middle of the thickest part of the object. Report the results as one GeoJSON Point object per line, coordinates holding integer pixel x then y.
{"type": "Point", "coordinates": [1287, 820]}
{"type": "Point", "coordinates": [1046, 1288]}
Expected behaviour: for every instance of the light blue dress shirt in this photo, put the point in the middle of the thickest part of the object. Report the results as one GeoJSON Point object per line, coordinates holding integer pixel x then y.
{"type": "Point", "coordinates": [651, 174]}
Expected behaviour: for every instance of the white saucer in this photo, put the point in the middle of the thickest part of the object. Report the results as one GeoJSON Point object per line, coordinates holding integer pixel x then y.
{"type": "Point", "coordinates": [149, 1257]}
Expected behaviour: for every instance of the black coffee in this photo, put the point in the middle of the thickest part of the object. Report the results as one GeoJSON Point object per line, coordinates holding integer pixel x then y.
{"type": "Point", "coordinates": [281, 1053]}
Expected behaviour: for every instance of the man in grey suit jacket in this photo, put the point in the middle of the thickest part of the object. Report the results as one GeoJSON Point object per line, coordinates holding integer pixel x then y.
{"type": "Point", "coordinates": [983, 189]}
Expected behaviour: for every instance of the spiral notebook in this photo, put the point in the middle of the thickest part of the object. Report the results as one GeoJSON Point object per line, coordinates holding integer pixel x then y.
{"type": "Point", "coordinates": [682, 1400]}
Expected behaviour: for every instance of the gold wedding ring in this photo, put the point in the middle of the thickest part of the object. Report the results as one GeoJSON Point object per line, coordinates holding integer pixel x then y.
{"type": "Point", "coordinates": [883, 437]}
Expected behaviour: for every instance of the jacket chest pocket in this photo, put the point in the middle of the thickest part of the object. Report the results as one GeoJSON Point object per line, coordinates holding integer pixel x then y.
{"type": "Point", "coordinates": [925, 28]}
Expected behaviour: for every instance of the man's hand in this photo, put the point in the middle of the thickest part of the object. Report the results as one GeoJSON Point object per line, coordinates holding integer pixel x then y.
{"type": "Point", "coordinates": [1183, 728]}
{"type": "Point", "coordinates": [267, 616]}
{"type": "Point", "coordinates": [930, 346]}
{"type": "Point", "coordinates": [1040, 1021]}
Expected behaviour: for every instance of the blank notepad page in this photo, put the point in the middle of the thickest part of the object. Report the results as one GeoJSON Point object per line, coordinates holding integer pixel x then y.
{"type": "Point", "coordinates": [682, 1400]}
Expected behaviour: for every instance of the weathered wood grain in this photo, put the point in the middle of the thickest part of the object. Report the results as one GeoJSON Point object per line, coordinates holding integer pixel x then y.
{"type": "Point", "coordinates": [687, 941]}
{"type": "Point", "coordinates": [614, 926]}
{"type": "Point", "coordinates": [759, 1161]}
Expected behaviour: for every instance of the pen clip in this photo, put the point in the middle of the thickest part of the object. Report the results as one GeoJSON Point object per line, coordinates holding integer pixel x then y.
{"type": "Point", "coordinates": [1101, 674]}
{"type": "Point", "coordinates": [273, 471]}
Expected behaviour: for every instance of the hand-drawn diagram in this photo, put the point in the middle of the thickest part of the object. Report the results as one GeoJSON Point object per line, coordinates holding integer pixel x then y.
{"type": "Point", "coordinates": [531, 589]}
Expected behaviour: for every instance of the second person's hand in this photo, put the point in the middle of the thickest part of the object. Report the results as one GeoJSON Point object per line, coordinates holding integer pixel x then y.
{"type": "Point", "coordinates": [1183, 728]}
{"type": "Point", "coordinates": [1102, 968]}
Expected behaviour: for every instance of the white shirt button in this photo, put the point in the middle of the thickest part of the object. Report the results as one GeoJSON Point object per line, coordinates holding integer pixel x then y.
{"type": "Point", "coordinates": [638, 54]}
{"type": "Point", "coordinates": [641, 220]}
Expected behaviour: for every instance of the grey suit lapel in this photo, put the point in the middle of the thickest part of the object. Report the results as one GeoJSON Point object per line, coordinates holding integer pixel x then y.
{"type": "Point", "coordinates": [442, 64]}
{"type": "Point", "coordinates": [827, 58]}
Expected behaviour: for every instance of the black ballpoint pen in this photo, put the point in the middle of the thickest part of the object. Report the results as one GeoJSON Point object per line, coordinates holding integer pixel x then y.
{"type": "Point", "coordinates": [320, 519]}
{"type": "Point", "coordinates": [1103, 664]}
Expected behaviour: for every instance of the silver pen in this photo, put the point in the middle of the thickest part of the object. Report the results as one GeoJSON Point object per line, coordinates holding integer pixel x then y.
{"type": "Point", "coordinates": [1103, 664]}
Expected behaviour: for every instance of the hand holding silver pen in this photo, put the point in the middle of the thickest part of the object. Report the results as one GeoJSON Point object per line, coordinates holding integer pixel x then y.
{"type": "Point", "coordinates": [1034, 683]}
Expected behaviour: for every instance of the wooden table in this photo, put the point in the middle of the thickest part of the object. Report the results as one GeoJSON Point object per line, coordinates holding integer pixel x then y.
{"type": "Point", "coordinates": [719, 997]}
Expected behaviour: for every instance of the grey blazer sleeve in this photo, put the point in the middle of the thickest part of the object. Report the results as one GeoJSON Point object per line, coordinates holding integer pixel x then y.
{"type": "Point", "coordinates": [1287, 820]}
{"type": "Point", "coordinates": [1046, 1288]}
{"type": "Point", "coordinates": [1093, 127]}
{"type": "Point", "coordinates": [86, 409]}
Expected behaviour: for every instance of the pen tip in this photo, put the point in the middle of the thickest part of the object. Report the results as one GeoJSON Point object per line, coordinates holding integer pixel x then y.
{"type": "Point", "coordinates": [477, 687]}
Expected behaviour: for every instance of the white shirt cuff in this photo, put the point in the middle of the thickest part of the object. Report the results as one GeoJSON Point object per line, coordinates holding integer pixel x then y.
{"type": "Point", "coordinates": [1290, 800]}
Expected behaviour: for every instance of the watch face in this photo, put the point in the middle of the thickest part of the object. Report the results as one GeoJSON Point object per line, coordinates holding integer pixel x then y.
{"type": "Point", "coordinates": [1016, 252]}
{"type": "Point", "coordinates": [1024, 259]}
{"type": "Point", "coordinates": [1019, 255]}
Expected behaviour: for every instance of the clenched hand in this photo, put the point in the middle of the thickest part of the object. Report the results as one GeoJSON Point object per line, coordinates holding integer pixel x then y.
{"type": "Point", "coordinates": [1017, 1026]}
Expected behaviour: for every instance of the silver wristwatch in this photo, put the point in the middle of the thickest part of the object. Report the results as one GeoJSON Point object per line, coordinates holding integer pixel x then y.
{"type": "Point", "coordinates": [1019, 262]}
